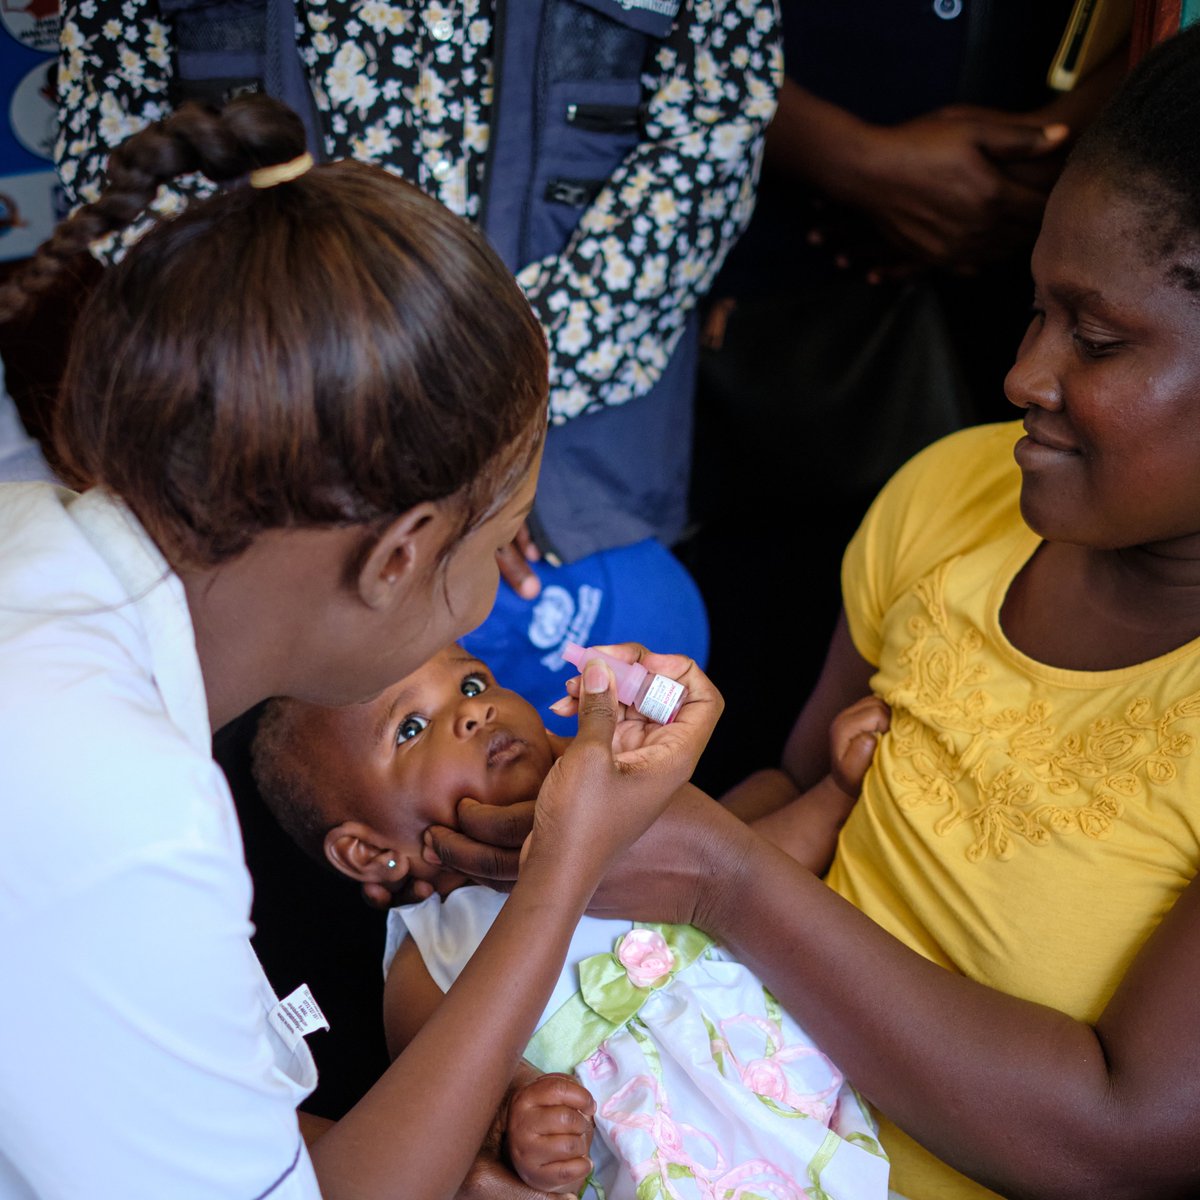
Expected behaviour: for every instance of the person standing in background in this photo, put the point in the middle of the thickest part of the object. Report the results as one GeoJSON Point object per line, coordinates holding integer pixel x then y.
{"type": "Point", "coordinates": [609, 149]}
{"type": "Point", "coordinates": [873, 305]}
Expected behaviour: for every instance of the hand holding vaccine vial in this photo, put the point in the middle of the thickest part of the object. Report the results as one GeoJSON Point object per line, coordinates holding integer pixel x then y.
{"type": "Point", "coordinates": [657, 697]}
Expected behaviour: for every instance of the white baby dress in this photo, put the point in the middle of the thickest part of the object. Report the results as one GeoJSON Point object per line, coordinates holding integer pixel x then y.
{"type": "Point", "coordinates": [704, 1086]}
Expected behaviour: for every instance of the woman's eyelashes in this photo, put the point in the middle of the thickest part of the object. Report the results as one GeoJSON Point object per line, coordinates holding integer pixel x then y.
{"type": "Point", "coordinates": [1090, 345]}
{"type": "Point", "coordinates": [1095, 347]}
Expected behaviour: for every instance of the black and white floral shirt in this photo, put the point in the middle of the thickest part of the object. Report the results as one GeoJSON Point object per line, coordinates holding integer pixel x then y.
{"type": "Point", "coordinates": [408, 85]}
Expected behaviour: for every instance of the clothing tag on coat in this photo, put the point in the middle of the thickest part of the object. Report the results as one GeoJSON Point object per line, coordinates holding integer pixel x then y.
{"type": "Point", "coordinates": [297, 1015]}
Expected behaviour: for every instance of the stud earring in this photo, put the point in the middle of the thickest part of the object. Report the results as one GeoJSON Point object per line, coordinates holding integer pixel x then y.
{"type": "Point", "coordinates": [391, 864]}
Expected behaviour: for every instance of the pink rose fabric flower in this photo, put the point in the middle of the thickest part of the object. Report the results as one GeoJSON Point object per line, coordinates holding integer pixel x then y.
{"type": "Point", "coordinates": [646, 957]}
{"type": "Point", "coordinates": [765, 1077]}
{"type": "Point", "coordinates": [601, 1065]}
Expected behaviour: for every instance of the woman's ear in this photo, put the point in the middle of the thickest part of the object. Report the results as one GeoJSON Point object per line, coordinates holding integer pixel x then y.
{"type": "Point", "coordinates": [353, 848]}
{"type": "Point", "coordinates": [403, 551]}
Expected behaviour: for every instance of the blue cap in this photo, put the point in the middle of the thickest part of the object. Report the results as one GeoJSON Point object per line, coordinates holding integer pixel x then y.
{"type": "Point", "coordinates": [639, 593]}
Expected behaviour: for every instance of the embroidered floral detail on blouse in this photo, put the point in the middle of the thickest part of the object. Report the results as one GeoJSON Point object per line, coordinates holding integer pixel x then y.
{"type": "Point", "coordinates": [1012, 775]}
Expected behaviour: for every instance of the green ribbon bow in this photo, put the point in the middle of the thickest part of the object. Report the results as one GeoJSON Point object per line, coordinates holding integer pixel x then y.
{"type": "Point", "coordinates": [606, 1001]}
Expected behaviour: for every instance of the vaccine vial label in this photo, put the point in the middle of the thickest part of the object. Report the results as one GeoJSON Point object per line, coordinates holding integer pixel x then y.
{"type": "Point", "coordinates": [661, 699]}
{"type": "Point", "coordinates": [297, 1015]}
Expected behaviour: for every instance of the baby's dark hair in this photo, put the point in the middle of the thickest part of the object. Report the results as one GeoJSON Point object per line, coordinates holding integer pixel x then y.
{"type": "Point", "coordinates": [332, 350]}
{"type": "Point", "coordinates": [1146, 144]}
{"type": "Point", "coordinates": [286, 780]}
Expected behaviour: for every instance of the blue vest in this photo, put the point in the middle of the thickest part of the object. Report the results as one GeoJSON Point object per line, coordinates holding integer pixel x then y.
{"type": "Point", "coordinates": [568, 107]}
{"type": "Point", "coordinates": [558, 132]}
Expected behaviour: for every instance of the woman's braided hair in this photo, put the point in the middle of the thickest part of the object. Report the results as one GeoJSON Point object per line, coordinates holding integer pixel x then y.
{"type": "Point", "coordinates": [193, 139]}
{"type": "Point", "coordinates": [332, 350]}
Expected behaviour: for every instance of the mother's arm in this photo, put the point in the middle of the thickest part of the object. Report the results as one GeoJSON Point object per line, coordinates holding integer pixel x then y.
{"type": "Point", "coordinates": [1018, 1096]}
{"type": "Point", "coordinates": [1015, 1095]}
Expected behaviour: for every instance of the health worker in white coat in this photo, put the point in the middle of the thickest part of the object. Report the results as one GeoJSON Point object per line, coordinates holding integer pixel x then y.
{"type": "Point", "coordinates": [300, 417]}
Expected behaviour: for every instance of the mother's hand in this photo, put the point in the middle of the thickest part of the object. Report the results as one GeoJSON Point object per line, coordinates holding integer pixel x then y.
{"type": "Point", "coordinates": [693, 850]}
{"type": "Point", "coordinates": [680, 866]}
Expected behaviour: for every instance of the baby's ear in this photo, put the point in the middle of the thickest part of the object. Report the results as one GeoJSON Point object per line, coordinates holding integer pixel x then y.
{"type": "Point", "coordinates": [354, 849]}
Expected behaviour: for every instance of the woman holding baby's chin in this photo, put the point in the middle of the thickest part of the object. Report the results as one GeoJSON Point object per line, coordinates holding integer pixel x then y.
{"type": "Point", "coordinates": [1005, 954]}
{"type": "Point", "coordinates": [301, 415]}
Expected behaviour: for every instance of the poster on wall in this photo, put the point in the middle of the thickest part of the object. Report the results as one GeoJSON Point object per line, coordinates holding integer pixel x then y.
{"type": "Point", "coordinates": [31, 200]}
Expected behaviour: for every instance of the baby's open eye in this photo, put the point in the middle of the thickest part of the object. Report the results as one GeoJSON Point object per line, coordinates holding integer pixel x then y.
{"type": "Point", "coordinates": [410, 727]}
{"type": "Point", "coordinates": [473, 685]}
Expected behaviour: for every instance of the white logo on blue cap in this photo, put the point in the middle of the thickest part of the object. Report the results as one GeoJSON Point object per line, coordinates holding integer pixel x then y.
{"type": "Point", "coordinates": [551, 617]}
{"type": "Point", "coordinates": [558, 617]}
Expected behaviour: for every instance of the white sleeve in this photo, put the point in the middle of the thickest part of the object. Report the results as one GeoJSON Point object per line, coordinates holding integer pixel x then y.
{"type": "Point", "coordinates": [137, 1056]}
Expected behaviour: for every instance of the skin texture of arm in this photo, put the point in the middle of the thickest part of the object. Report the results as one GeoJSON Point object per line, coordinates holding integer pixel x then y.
{"type": "Point", "coordinates": [806, 829]}
{"type": "Point", "coordinates": [1017, 1096]}
{"type": "Point", "coordinates": [409, 1116]}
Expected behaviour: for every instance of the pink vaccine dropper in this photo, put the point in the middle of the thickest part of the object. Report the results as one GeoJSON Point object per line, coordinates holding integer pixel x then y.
{"type": "Point", "coordinates": [655, 696]}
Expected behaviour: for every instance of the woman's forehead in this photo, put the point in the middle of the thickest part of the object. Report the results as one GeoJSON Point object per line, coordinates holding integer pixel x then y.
{"type": "Point", "coordinates": [1100, 238]}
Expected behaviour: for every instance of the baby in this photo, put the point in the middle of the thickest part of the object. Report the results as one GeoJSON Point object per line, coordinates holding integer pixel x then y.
{"type": "Point", "coordinates": [696, 1080]}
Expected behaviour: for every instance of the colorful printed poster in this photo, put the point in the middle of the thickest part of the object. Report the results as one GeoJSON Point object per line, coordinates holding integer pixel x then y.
{"type": "Point", "coordinates": [31, 200]}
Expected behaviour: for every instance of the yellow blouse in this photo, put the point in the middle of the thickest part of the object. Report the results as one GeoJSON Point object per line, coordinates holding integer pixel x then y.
{"type": "Point", "coordinates": [1024, 825]}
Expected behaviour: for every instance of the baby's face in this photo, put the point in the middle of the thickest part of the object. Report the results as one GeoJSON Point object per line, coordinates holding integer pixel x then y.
{"type": "Point", "coordinates": [412, 753]}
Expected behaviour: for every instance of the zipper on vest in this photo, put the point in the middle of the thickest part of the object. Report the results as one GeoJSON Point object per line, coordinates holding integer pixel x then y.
{"type": "Point", "coordinates": [605, 118]}
{"type": "Point", "coordinates": [577, 193]}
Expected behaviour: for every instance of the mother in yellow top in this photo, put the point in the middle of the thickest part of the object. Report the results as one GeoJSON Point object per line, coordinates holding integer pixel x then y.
{"type": "Point", "coordinates": [1005, 956]}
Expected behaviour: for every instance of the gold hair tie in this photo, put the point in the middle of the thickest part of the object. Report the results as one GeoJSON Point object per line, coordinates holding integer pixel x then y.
{"type": "Point", "coordinates": [267, 177]}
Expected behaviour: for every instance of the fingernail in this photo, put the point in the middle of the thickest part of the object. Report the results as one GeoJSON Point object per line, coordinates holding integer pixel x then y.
{"type": "Point", "coordinates": [429, 854]}
{"type": "Point", "coordinates": [529, 587]}
{"type": "Point", "coordinates": [1055, 133]}
{"type": "Point", "coordinates": [558, 706]}
{"type": "Point", "coordinates": [595, 677]}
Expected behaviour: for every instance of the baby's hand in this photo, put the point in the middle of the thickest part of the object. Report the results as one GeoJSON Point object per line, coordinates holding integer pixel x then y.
{"type": "Point", "coordinates": [549, 1132]}
{"type": "Point", "coordinates": [852, 738]}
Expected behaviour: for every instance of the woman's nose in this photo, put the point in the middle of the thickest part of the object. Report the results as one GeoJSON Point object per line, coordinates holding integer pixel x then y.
{"type": "Point", "coordinates": [1032, 381]}
{"type": "Point", "coordinates": [473, 714]}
